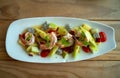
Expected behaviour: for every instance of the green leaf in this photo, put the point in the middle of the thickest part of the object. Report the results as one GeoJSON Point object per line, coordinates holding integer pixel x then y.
{"type": "Point", "coordinates": [83, 34]}
{"type": "Point", "coordinates": [65, 42]}
{"type": "Point", "coordinates": [47, 41]}
{"type": "Point", "coordinates": [48, 44]}
{"type": "Point", "coordinates": [29, 37]}
{"type": "Point", "coordinates": [85, 43]}
{"type": "Point", "coordinates": [47, 38]}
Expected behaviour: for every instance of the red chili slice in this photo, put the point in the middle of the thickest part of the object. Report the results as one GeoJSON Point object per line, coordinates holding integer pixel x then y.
{"type": "Point", "coordinates": [23, 35]}
{"type": "Point", "coordinates": [98, 40]}
{"type": "Point", "coordinates": [72, 32]}
{"type": "Point", "coordinates": [22, 39]}
{"type": "Point", "coordinates": [51, 30]}
{"type": "Point", "coordinates": [86, 49]}
{"type": "Point", "coordinates": [44, 53]}
{"type": "Point", "coordinates": [103, 37]}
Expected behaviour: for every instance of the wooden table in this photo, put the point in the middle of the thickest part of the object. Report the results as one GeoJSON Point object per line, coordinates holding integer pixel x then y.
{"type": "Point", "coordinates": [104, 11]}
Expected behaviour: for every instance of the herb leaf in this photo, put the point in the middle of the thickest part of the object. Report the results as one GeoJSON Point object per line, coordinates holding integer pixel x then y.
{"type": "Point", "coordinates": [65, 42]}
{"type": "Point", "coordinates": [47, 41]}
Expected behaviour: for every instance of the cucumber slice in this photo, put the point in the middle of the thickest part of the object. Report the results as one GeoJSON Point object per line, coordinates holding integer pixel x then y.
{"type": "Point", "coordinates": [41, 33]}
{"type": "Point", "coordinates": [62, 31]}
{"type": "Point", "coordinates": [94, 49]}
{"type": "Point", "coordinates": [64, 54]}
{"type": "Point", "coordinates": [89, 37]}
{"type": "Point", "coordinates": [53, 26]}
{"type": "Point", "coordinates": [53, 51]}
{"type": "Point", "coordinates": [76, 50]}
{"type": "Point", "coordinates": [87, 27]}
{"type": "Point", "coordinates": [29, 48]}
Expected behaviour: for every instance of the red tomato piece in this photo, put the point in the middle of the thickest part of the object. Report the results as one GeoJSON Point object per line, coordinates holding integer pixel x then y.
{"type": "Point", "coordinates": [44, 53]}
{"type": "Point", "coordinates": [103, 37]}
{"type": "Point", "coordinates": [86, 49]}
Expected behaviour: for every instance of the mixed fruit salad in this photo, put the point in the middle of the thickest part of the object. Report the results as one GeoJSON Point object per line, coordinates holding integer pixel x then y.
{"type": "Point", "coordinates": [49, 39]}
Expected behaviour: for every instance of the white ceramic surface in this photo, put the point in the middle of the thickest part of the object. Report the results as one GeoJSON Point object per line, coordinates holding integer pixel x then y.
{"type": "Point", "coordinates": [15, 51]}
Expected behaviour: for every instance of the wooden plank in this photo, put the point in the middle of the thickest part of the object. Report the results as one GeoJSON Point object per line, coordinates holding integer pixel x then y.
{"type": "Point", "coordinates": [112, 55]}
{"type": "Point", "coordinates": [84, 69]}
{"type": "Point", "coordinates": [89, 9]}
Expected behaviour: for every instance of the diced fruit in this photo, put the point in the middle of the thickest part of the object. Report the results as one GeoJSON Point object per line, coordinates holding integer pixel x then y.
{"type": "Point", "coordinates": [41, 33]}
{"type": "Point", "coordinates": [103, 36]}
{"type": "Point", "coordinates": [35, 49]}
{"type": "Point", "coordinates": [53, 26]}
{"type": "Point", "coordinates": [94, 31]}
{"type": "Point", "coordinates": [87, 27]}
{"type": "Point", "coordinates": [62, 31]}
{"type": "Point", "coordinates": [29, 49]}
{"type": "Point", "coordinates": [86, 49]}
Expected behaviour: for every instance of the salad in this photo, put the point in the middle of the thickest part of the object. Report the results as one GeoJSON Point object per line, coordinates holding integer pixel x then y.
{"type": "Point", "coordinates": [49, 39]}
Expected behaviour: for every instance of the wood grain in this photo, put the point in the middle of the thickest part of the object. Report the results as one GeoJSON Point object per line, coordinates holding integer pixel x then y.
{"type": "Point", "coordinates": [112, 55]}
{"type": "Point", "coordinates": [84, 69]}
{"type": "Point", "coordinates": [93, 9]}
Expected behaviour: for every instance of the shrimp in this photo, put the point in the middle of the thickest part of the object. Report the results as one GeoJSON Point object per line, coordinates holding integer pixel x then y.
{"type": "Point", "coordinates": [29, 38]}
{"type": "Point", "coordinates": [69, 38]}
{"type": "Point", "coordinates": [79, 43]}
{"type": "Point", "coordinates": [53, 40]}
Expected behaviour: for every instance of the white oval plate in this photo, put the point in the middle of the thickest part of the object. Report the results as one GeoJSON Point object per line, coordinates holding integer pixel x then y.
{"type": "Point", "coordinates": [15, 51]}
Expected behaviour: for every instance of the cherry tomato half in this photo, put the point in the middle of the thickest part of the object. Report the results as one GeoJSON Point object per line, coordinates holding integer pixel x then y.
{"type": "Point", "coordinates": [103, 37]}
{"type": "Point", "coordinates": [86, 49]}
{"type": "Point", "coordinates": [44, 53]}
